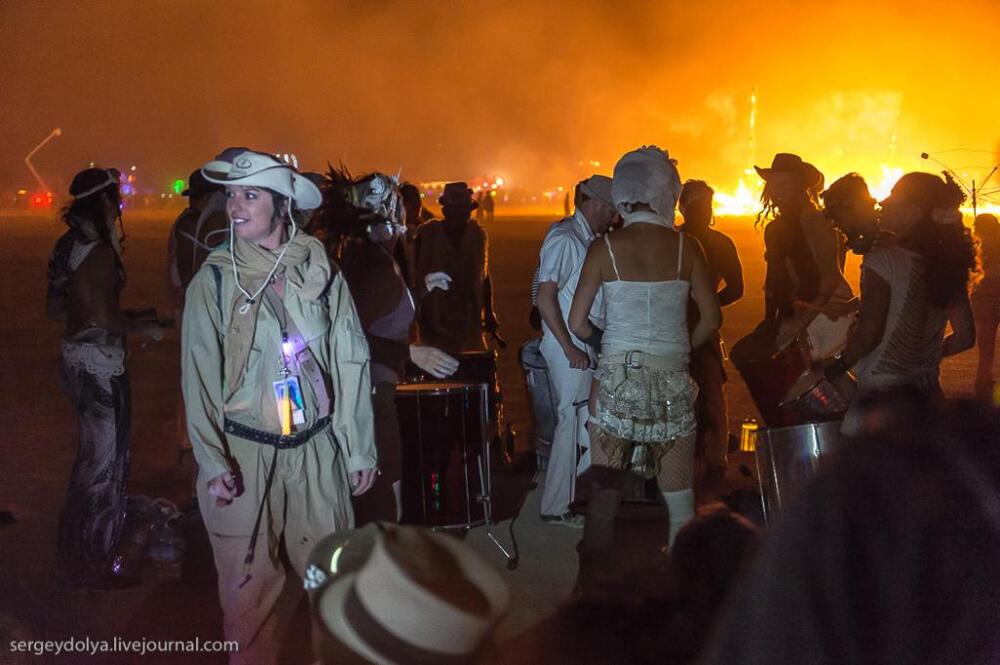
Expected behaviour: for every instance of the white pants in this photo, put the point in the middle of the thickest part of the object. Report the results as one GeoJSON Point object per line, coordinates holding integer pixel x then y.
{"type": "Point", "coordinates": [572, 390]}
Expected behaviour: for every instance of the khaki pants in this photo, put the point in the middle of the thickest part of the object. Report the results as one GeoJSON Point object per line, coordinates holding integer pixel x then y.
{"type": "Point", "coordinates": [307, 501]}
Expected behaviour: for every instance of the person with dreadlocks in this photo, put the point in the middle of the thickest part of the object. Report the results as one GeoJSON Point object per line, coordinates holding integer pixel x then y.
{"type": "Point", "coordinates": [85, 280]}
{"type": "Point", "coordinates": [361, 222]}
{"type": "Point", "coordinates": [277, 388]}
{"type": "Point", "coordinates": [808, 304]}
{"type": "Point", "coordinates": [726, 273]}
{"type": "Point", "coordinates": [804, 285]}
{"type": "Point", "coordinates": [910, 291]}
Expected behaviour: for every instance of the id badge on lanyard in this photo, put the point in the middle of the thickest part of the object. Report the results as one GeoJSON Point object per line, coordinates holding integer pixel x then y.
{"type": "Point", "coordinates": [288, 392]}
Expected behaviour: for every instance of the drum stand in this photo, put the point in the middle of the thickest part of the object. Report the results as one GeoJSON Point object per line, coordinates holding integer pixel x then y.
{"type": "Point", "coordinates": [485, 482]}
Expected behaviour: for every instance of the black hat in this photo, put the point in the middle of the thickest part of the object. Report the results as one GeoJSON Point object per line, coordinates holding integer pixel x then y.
{"type": "Point", "coordinates": [197, 185]}
{"type": "Point", "coordinates": [458, 194]}
{"type": "Point", "coordinates": [784, 162]}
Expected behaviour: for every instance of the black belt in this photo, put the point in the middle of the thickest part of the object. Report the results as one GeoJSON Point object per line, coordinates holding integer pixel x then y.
{"type": "Point", "coordinates": [279, 441]}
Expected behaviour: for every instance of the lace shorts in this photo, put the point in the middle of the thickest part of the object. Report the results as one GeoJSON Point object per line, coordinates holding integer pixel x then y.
{"type": "Point", "coordinates": [645, 404]}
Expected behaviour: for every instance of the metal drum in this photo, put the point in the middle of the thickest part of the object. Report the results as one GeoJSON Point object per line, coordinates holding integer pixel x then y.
{"type": "Point", "coordinates": [769, 375]}
{"type": "Point", "coordinates": [787, 457]}
{"type": "Point", "coordinates": [446, 472]}
{"type": "Point", "coordinates": [543, 399]}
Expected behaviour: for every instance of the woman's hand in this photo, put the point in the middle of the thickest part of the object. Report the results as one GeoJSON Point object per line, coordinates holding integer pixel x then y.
{"type": "Point", "coordinates": [223, 488]}
{"type": "Point", "coordinates": [435, 361]}
{"type": "Point", "coordinates": [362, 481]}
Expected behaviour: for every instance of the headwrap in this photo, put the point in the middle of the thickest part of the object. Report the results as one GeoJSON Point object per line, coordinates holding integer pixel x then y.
{"type": "Point", "coordinates": [254, 264]}
{"type": "Point", "coordinates": [646, 175]}
{"type": "Point", "coordinates": [598, 187]}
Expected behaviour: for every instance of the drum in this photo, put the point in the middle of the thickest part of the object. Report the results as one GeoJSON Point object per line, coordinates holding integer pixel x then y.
{"type": "Point", "coordinates": [543, 399]}
{"type": "Point", "coordinates": [473, 367]}
{"type": "Point", "coordinates": [786, 457]}
{"type": "Point", "coordinates": [816, 397]}
{"type": "Point", "coordinates": [769, 375]}
{"type": "Point", "coordinates": [446, 472]}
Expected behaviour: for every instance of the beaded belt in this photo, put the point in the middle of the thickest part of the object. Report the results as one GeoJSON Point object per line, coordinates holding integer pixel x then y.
{"type": "Point", "coordinates": [279, 441]}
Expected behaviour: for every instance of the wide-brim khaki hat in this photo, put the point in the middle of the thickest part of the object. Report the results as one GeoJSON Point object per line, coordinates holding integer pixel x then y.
{"type": "Point", "coordinates": [420, 597]}
{"type": "Point", "coordinates": [261, 170]}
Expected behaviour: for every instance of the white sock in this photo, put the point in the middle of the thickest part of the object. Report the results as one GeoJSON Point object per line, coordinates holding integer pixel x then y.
{"type": "Point", "coordinates": [680, 507]}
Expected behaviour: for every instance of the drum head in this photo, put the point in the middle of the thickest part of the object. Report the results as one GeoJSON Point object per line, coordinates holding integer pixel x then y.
{"type": "Point", "coordinates": [442, 388]}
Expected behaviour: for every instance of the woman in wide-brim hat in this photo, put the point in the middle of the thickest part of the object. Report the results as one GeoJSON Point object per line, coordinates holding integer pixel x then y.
{"type": "Point", "coordinates": [277, 391]}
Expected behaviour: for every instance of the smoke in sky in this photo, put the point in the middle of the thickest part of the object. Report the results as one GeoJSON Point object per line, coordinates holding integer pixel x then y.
{"type": "Point", "coordinates": [533, 91]}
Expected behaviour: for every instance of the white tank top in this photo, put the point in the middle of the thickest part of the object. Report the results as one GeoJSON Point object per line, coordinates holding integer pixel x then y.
{"type": "Point", "coordinates": [647, 316]}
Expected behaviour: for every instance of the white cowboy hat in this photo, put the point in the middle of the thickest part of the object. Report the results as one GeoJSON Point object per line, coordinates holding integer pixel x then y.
{"type": "Point", "coordinates": [261, 170]}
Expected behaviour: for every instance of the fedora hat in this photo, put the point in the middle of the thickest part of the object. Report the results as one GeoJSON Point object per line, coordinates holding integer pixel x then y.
{"type": "Point", "coordinates": [457, 194]}
{"type": "Point", "coordinates": [401, 594]}
{"type": "Point", "coordinates": [785, 162]}
{"type": "Point", "coordinates": [257, 169]}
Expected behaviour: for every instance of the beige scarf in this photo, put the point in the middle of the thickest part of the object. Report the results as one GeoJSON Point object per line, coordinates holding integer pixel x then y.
{"type": "Point", "coordinates": [253, 264]}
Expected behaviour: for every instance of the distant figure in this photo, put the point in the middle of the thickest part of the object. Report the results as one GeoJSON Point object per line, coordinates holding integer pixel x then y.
{"type": "Point", "coordinates": [643, 403]}
{"type": "Point", "coordinates": [986, 302]}
{"type": "Point", "coordinates": [480, 208]}
{"type": "Point", "coordinates": [489, 204]}
{"type": "Point", "coordinates": [910, 291]}
{"type": "Point", "coordinates": [85, 280]}
{"type": "Point", "coordinates": [706, 368]}
{"type": "Point", "coordinates": [566, 205]}
{"type": "Point", "coordinates": [456, 320]}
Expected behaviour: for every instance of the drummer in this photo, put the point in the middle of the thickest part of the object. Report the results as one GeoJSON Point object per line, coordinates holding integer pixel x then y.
{"type": "Point", "coordinates": [808, 304]}
{"type": "Point", "coordinates": [804, 286]}
{"type": "Point", "coordinates": [361, 221]}
{"type": "Point", "coordinates": [900, 337]}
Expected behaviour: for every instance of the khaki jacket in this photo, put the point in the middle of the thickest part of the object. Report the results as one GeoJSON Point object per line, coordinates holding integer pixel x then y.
{"type": "Point", "coordinates": [332, 331]}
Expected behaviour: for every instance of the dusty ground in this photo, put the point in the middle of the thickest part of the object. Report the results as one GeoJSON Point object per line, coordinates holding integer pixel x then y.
{"type": "Point", "coordinates": [38, 442]}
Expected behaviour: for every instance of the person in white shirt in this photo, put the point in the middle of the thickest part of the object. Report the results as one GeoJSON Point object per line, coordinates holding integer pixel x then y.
{"type": "Point", "coordinates": [569, 359]}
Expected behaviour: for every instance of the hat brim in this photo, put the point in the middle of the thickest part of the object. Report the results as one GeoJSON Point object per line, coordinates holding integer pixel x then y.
{"type": "Point", "coordinates": [330, 608]}
{"type": "Point", "coordinates": [768, 173]}
{"type": "Point", "coordinates": [305, 194]}
{"type": "Point", "coordinates": [331, 600]}
{"type": "Point", "coordinates": [468, 203]}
